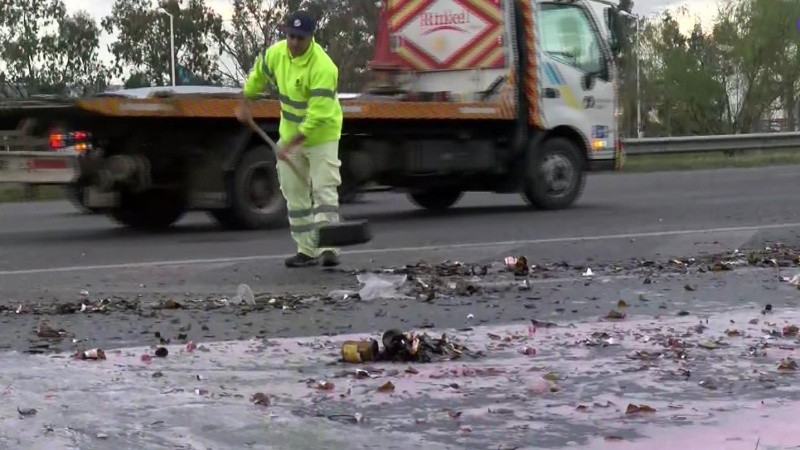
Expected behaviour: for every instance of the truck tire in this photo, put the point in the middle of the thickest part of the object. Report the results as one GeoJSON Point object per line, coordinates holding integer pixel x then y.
{"type": "Point", "coordinates": [256, 198]}
{"type": "Point", "coordinates": [349, 194]}
{"type": "Point", "coordinates": [436, 199]}
{"type": "Point", "coordinates": [554, 176]}
{"type": "Point", "coordinates": [350, 189]}
{"type": "Point", "coordinates": [74, 194]}
{"type": "Point", "coordinates": [152, 210]}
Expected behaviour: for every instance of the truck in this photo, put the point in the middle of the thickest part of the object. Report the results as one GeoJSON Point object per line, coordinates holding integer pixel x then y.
{"type": "Point", "coordinates": [505, 96]}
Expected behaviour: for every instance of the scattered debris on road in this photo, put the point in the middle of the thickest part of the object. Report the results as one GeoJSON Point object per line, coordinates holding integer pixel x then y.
{"type": "Point", "coordinates": [27, 412]}
{"type": "Point", "coordinates": [93, 354]}
{"type": "Point", "coordinates": [244, 295]}
{"type": "Point", "coordinates": [404, 347]}
{"type": "Point", "coordinates": [45, 330]}
{"type": "Point", "coordinates": [609, 378]}
{"type": "Point", "coordinates": [423, 281]}
{"type": "Point", "coordinates": [651, 367]}
{"type": "Point", "coordinates": [260, 398]}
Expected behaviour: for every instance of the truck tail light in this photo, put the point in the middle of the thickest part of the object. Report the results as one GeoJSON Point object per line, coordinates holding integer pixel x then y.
{"type": "Point", "coordinates": [75, 141]}
{"type": "Point", "coordinates": [56, 141]}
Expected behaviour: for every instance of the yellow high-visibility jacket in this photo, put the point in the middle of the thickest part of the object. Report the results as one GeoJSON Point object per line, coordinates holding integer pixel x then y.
{"type": "Point", "coordinates": [307, 88]}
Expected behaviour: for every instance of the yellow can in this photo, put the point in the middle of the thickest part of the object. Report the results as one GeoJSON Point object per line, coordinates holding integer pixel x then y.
{"type": "Point", "coordinates": [359, 351]}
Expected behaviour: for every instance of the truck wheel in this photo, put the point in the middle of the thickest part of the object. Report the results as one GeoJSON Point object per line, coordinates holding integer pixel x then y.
{"type": "Point", "coordinates": [151, 210]}
{"type": "Point", "coordinates": [349, 194]}
{"type": "Point", "coordinates": [74, 193]}
{"type": "Point", "coordinates": [554, 178]}
{"type": "Point", "coordinates": [437, 199]}
{"type": "Point", "coordinates": [350, 189]}
{"type": "Point", "coordinates": [256, 198]}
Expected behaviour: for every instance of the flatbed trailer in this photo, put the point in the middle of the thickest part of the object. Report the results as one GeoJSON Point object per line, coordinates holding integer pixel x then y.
{"type": "Point", "coordinates": [146, 161]}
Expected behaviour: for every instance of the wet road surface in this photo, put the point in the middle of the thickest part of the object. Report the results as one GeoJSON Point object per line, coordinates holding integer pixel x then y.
{"type": "Point", "coordinates": [716, 373]}
{"type": "Point", "coordinates": [696, 343]}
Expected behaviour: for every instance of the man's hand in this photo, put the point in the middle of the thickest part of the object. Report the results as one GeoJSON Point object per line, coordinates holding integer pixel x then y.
{"type": "Point", "coordinates": [293, 144]}
{"type": "Point", "coordinates": [298, 139]}
{"type": "Point", "coordinates": [283, 153]}
{"type": "Point", "coordinates": [243, 111]}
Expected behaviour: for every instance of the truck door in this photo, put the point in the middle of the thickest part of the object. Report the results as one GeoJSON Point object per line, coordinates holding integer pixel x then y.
{"type": "Point", "coordinates": [575, 74]}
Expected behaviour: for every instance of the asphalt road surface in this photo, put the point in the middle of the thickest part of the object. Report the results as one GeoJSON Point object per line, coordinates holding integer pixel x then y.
{"type": "Point", "coordinates": [575, 390]}
{"type": "Point", "coordinates": [50, 246]}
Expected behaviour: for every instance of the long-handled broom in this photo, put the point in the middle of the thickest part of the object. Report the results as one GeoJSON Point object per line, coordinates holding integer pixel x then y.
{"type": "Point", "coordinates": [339, 234]}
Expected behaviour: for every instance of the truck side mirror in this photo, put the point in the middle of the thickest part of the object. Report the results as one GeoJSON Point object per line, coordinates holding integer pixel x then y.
{"type": "Point", "coordinates": [588, 81]}
{"type": "Point", "coordinates": [615, 26]}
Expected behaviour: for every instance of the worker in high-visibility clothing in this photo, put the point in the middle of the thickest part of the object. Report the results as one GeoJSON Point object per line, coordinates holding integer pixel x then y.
{"type": "Point", "coordinates": [310, 128]}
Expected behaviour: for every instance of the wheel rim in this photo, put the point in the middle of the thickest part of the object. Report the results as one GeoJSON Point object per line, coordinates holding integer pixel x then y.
{"type": "Point", "coordinates": [558, 174]}
{"type": "Point", "coordinates": [260, 188]}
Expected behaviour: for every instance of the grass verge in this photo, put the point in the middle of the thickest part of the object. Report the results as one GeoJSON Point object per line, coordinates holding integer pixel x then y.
{"type": "Point", "coordinates": [18, 193]}
{"type": "Point", "coordinates": [710, 160]}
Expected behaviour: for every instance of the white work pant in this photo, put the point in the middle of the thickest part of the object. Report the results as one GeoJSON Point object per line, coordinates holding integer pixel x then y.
{"type": "Point", "coordinates": [313, 198]}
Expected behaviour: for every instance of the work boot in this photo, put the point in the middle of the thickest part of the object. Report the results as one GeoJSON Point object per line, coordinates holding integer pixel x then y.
{"type": "Point", "coordinates": [329, 258]}
{"type": "Point", "coordinates": [301, 260]}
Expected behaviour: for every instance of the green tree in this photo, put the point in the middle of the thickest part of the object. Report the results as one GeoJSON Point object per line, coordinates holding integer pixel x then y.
{"type": "Point", "coordinates": [664, 67]}
{"type": "Point", "coordinates": [682, 84]}
{"type": "Point", "coordinates": [346, 30]}
{"type": "Point", "coordinates": [254, 27]}
{"type": "Point", "coordinates": [627, 71]}
{"type": "Point", "coordinates": [689, 95]}
{"type": "Point", "coordinates": [28, 44]}
{"type": "Point", "coordinates": [642, 56]}
{"type": "Point", "coordinates": [143, 39]}
{"type": "Point", "coordinates": [46, 51]}
{"type": "Point", "coordinates": [758, 48]}
{"type": "Point", "coordinates": [137, 80]}
{"type": "Point", "coordinates": [78, 47]}
{"type": "Point", "coordinates": [725, 81]}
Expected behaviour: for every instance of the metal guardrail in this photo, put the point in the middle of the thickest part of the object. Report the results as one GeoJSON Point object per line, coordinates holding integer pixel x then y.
{"type": "Point", "coordinates": [38, 168]}
{"type": "Point", "coordinates": [16, 140]}
{"type": "Point", "coordinates": [717, 143]}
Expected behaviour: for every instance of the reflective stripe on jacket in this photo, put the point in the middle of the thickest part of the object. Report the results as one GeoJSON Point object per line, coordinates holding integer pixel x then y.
{"type": "Point", "coordinates": [307, 88]}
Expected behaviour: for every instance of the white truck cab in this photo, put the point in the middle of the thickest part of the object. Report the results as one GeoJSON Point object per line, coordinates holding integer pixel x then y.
{"type": "Point", "coordinates": [573, 52]}
{"type": "Point", "coordinates": [577, 72]}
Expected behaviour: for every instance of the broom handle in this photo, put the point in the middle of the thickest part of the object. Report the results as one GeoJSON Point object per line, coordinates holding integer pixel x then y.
{"type": "Point", "coordinates": [273, 145]}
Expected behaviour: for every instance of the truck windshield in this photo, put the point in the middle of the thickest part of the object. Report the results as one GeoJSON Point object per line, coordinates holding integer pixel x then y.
{"type": "Point", "coordinates": [567, 34]}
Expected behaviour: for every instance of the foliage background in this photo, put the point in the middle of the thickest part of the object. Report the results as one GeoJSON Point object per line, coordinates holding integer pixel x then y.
{"type": "Point", "coordinates": [726, 79]}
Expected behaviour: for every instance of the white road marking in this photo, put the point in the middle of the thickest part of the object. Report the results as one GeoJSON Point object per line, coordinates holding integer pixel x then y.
{"type": "Point", "coordinates": [467, 245]}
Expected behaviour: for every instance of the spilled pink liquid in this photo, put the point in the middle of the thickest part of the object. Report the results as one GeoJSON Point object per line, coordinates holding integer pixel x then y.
{"type": "Point", "coordinates": [566, 381]}
{"type": "Point", "coordinates": [769, 426]}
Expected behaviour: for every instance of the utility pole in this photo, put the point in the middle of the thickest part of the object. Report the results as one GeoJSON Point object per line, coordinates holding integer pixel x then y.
{"type": "Point", "coordinates": [171, 42]}
{"type": "Point", "coordinates": [638, 18]}
{"type": "Point", "coordinates": [639, 132]}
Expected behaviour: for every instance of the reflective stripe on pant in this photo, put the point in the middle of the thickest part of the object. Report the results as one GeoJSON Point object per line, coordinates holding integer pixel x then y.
{"type": "Point", "coordinates": [309, 208]}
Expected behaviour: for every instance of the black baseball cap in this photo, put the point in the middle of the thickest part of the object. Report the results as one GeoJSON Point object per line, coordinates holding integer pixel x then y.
{"type": "Point", "coordinates": [301, 23]}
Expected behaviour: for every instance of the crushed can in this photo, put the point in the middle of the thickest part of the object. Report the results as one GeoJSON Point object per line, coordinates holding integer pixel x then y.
{"type": "Point", "coordinates": [360, 351]}
{"type": "Point", "coordinates": [517, 264]}
{"type": "Point", "coordinates": [395, 342]}
{"type": "Point", "coordinates": [94, 354]}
